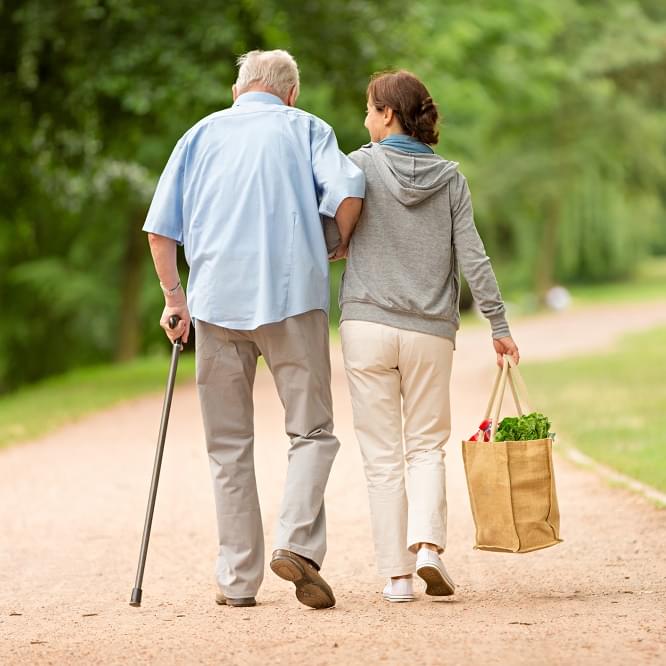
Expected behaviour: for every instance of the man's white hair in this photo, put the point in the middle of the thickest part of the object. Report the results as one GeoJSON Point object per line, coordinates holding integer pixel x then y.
{"type": "Point", "coordinates": [276, 70]}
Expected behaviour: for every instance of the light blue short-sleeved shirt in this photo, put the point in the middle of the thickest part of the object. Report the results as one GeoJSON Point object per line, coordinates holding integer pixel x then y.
{"type": "Point", "coordinates": [243, 191]}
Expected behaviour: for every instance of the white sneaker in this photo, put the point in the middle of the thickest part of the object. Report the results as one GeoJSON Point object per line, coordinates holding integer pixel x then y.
{"type": "Point", "coordinates": [430, 568]}
{"type": "Point", "coordinates": [399, 590]}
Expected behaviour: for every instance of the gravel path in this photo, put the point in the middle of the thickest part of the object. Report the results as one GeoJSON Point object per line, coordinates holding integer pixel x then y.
{"type": "Point", "coordinates": [71, 512]}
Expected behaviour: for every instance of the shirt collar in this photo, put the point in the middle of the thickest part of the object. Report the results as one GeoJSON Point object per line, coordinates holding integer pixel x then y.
{"type": "Point", "coordinates": [261, 97]}
{"type": "Point", "coordinates": [406, 143]}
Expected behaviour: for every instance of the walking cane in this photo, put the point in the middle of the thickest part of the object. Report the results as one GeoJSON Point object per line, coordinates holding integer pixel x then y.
{"type": "Point", "coordinates": [177, 348]}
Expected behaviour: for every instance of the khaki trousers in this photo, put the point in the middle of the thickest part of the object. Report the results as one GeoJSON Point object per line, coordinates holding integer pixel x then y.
{"type": "Point", "coordinates": [297, 353]}
{"type": "Point", "coordinates": [385, 367]}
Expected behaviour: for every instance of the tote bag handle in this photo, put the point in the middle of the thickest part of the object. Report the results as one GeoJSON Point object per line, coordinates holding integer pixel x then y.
{"type": "Point", "coordinates": [509, 371]}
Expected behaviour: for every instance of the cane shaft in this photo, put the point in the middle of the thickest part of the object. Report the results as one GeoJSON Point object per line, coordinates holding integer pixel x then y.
{"type": "Point", "coordinates": [166, 408]}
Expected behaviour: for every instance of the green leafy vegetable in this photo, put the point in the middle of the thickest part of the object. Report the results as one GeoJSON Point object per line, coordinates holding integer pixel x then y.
{"type": "Point", "coordinates": [521, 428]}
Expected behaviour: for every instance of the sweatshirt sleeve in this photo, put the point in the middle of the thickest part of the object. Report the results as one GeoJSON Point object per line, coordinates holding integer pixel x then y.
{"type": "Point", "coordinates": [473, 260]}
{"type": "Point", "coordinates": [331, 233]}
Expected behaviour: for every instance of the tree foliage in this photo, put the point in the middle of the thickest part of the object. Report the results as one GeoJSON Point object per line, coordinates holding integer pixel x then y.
{"type": "Point", "coordinates": [554, 109]}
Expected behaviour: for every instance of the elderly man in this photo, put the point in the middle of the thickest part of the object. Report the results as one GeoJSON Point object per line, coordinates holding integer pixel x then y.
{"type": "Point", "coordinates": [243, 191]}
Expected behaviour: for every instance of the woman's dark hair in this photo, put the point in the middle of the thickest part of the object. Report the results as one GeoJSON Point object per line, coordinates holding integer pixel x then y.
{"type": "Point", "coordinates": [410, 100]}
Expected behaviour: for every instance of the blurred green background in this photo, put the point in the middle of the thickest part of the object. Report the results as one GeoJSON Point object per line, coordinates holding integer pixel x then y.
{"type": "Point", "coordinates": [555, 109]}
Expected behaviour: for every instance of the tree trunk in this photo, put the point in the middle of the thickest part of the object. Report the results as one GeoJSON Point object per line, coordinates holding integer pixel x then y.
{"type": "Point", "coordinates": [129, 328]}
{"type": "Point", "coordinates": [545, 268]}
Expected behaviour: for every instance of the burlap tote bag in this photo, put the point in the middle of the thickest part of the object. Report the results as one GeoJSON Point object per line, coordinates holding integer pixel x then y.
{"type": "Point", "coordinates": [511, 484]}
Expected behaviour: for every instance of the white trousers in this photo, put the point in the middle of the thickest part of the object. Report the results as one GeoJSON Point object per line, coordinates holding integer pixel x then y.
{"type": "Point", "coordinates": [387, 366]}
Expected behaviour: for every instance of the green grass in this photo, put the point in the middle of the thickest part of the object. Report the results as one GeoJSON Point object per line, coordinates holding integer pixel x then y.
{"type": "Point", "coordinates": [42, 407]}
{"type": "Point", "coordinates": [584, 396]}
{"type": "Point", "coordinates": [648, 284]}
{"type": "Point", "coordinates": [610, 406]}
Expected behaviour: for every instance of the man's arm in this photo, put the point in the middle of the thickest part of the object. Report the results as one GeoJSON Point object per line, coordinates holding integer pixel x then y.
{"type": "Point", "coordinates": [164, 225]}
{"type": "Point", "coordinates": [164, 250]}
{"type": "Point", "coordinates": [346, 218]}
{"type": "Point", "coordinates": [340, 183]}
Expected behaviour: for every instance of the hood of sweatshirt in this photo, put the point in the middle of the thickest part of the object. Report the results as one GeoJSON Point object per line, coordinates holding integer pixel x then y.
{"type": "Point", "coordinates": [411, 177]}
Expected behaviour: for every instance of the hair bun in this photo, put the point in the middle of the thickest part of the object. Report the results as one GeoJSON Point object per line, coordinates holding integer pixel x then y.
{"type": "Point", "coordinates": [426, 104]}
{"type": "Point", "coordinates": [410, 100]}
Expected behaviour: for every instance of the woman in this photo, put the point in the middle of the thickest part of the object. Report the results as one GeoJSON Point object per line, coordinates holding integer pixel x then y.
{"type": "Point", "coordinates": [400, 313]}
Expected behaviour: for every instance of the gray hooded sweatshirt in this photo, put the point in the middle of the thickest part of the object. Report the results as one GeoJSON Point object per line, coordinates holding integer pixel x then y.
{"type": "Point", "coordinates": [415, 232]}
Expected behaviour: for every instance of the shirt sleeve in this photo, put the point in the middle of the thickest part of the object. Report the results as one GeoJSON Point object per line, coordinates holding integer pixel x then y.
{"type": "Point", "coordinates": [336, 176]}
{"type": "Point", "coordinates": [165, 215]}
{"type": "Point", "coordinates": [473, 260]}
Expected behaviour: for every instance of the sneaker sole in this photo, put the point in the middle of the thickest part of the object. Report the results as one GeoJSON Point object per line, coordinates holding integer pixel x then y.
{"type": "Point", "coordinates": [398, 598]}
{"type": "Point", "coordinates": [437, 585]}
{"type": "Point", "coordinates": [235, 603]}
{"type": "Point", "coordinates": [311, 589]}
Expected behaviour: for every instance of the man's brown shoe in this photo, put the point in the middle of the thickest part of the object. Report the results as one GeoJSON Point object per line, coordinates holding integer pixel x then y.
{"type": "Point", "coordinates": [311, 589]}
{"type": "Point", "coordinates": [241, 602]}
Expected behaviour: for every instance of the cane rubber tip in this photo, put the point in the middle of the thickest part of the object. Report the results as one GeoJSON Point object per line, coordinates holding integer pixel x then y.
{"type": "Point", "coordinates": [136, 597]}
